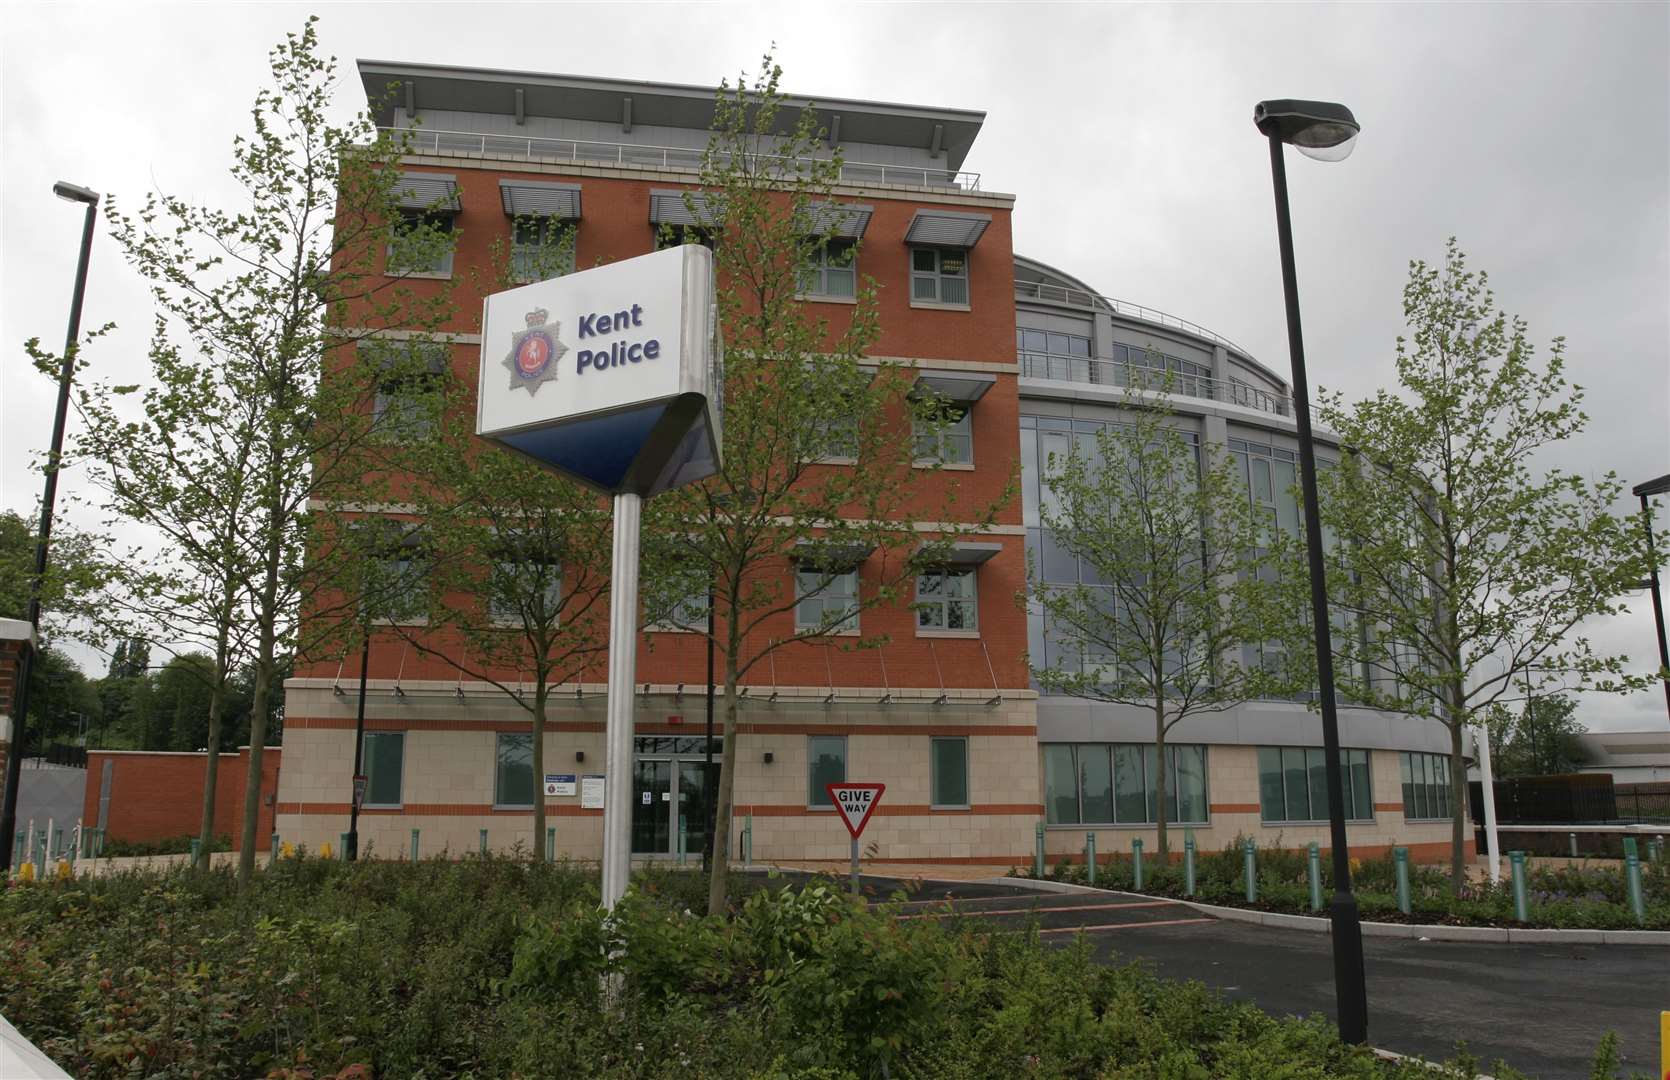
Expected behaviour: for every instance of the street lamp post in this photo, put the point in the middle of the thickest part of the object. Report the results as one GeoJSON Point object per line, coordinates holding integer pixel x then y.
{"type": "Point", "coordinates": [1644, 492]}
{"type": "Point", "coordinates": [14, 757]}
{"type": "Point", "coordinates": [1325, 131]}
{"type": "Point", "coordinates": [352, 851]}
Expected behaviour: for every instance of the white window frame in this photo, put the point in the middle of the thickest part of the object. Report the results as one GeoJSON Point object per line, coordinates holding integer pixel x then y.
{"type": "Point", "coordinates": [498, 615]}
{"type": "Point", "coordinates": [441, 271]}
{"type": "Point", "coordinates": [365, 759]}
{"type": "Point", "coordinates": [841, 586]}
{"type": "Point", "coordinates": [522, 252]}
{"type": "Point", "coordinates": [937, 278]}
{"type": "Point", "coordinates": [931, 446]}
{"type": "Point", "coordinates": [927, 606]}
{"type": "Point", "coordinates": [823, 259]}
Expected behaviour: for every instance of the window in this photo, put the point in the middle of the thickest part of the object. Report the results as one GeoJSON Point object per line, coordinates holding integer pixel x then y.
{"type": "Point", "coordinates": [1051, 355]}
{"type": "Point", "coordinates": [1293, 784]}
{"type": "Point", "coordinates": [830, 269]}
{"type": "Point", "coordinates": [406, 400]}
{"type": "Point", "coordinates": [667, 236]}
{"type": "Point", "coordinates": [395, 586]}
{"type": "Point", "coordinates": [948, 772]}
{"type": "Point", "coordinates": [689, 612]}
{"type": "Point", "coordinates": [826, 763]}
{"type": "Point", "coordinates": [1116, 784]}
{"type": "Point", "coordinates": [826, 598]}
{"type": "Point", "coordinates": [953, 441]}
{"type": "Point", "coordinates": [383, 759]}
{"type": "Point", "coordinates": [531, 586]}
{"type": "Point", "coordinates": [946, 600]}
{"type": "Point", "coordinates": [422, 244]}
{"type": "Point", "coordinates": [939, 275]}
{"type": "Point", "coordinates": [1426, 786]}
{"type": "Point", "coordinates": [541, 248]}
{"type": "Point", "coordinates": [513, 774]}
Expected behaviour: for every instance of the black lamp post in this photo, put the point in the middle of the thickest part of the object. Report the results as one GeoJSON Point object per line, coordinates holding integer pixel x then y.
{"type": "Point", "coordinates": [351, 850]}
{"type": "Point", "coordinates": [20, 712]}
{"type": "Point", "coordinates": [1325, 131]}
{"type": "Point", "coordinates": [1644, 492]}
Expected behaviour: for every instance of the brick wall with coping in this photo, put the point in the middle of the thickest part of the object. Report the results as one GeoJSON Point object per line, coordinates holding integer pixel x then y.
{"type": "Point", "coordinates": [155, 796]}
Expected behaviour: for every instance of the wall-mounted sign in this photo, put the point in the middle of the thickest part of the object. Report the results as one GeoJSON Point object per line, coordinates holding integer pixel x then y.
{"type": "Point", "coordinates": [609, 375]}
{"type": "Point", "coordinates": [591, 792]}
{"type": "Point", "coordinates": [560, 784]}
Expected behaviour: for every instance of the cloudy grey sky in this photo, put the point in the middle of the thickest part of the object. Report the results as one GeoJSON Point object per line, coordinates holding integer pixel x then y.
{"type": "Point", "coordinates": [1539, 134]}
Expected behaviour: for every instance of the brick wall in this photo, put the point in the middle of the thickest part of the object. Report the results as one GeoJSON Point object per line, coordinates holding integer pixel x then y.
{"type": "Point", "coordinates": [156, 795]}
{"type": "Point", "coordinates": [11, 654]}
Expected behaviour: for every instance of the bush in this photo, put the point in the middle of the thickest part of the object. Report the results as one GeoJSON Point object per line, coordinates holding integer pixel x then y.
{"type": "Point", "coordinates": [171, 845]}
{"type": "Point", "coordinates": [493, 967]}
{"type": "Point", "coordinates": [1559, 897]}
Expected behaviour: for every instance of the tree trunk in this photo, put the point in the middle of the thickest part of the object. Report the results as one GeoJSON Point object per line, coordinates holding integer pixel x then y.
{"type": "Point", "coordinates": [258, 703]}
{"type": "Point", "coordinates": [539, 695]}
{"type": "Point", "coordinates": [1458, 804]}
{"type": "Point", "coordinates": [722, 816]}
{"type": "Point", "coordinates": [206, 827]}
{"type": "Point", "coordinates": [1162, 846]}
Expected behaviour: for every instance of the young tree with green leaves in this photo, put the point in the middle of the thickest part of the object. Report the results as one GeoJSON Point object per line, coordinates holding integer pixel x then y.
{"type": "Point", "coordinates": [1537, 739]}
{"type": "Point", "coordinates": [778, 524]}
{"type": "Point", "coordinates": [1472, 557]}
{"type": "Point", "coordinates": [1172, 577]}
{"type": "Point", "coordinates": [273, 297]}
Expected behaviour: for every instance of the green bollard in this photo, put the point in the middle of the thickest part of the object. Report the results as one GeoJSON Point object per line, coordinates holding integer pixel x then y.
{"type": "Point", "coordinates": [57, 843]}
{"type": "Point", "coordinates": [1038, 850]}
{"type": "Point", "coordinates": [1090, 856]}
{"type": "Point", "coordinates": [272, 850]}
{"type": "Point", "coordinates": [1313, 857]}
{"type": "Point", "coordinates": [682, 839]}
{"type": "Point", "coordinates": [484, 843]}
{"type": "Point", "coordinates": [1521, 906]}
{"type": "Point", "coordinates": [1632, 884]}
{"type": "Point", "coordinates": [414, 845]}
{"type": "Point", "coordinates": [196, 850]}
{"type": "Point", "coordinates": [1249, 870]}
{"type": "Point", "coordinates": [1189, 863]}
{"type": "Point", "coordinates": [1136, 863]}
{"type": "Point", "coordinates": [98, 842]}
{"type": "Point", "coordinates": [1630, 850]}
{"type": "Point", "coordinates": [550, 843]}
{"type": "Point", "coordinates": [1400, 857]}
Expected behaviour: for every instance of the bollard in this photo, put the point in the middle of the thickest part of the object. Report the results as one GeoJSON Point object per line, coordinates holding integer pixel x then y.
{"type": "Point", "coordinates": [57, 842]}
{"type": "Point", "coordinates": [1630, 850]}
{"type": "Point", "coordinates": [682, 841]}
{"type": "Point", "coordinates": [1573, 837]}
{"type": "Point", "coordinates": [342, 846]}
{"type": "Point", "coordinates": [748, 841]}
{"type": "Point", "coordinates": [1313, 856]}
{"type": "Point", "coordinates": [1136, 863]}
{"type": "Point", "coordinates": [1400, 856]}
{"type": "Point", "coordinates": [1249, 869]}
{"type": "Point", "coordinates": [1038, 850]}
{"type": "Point", "coordinates": [1632, 884]}
{"type": "Point", "coordinates": [40, 857]}
{"type": "Point", "coordinates": [325, 850]}
{"type": "Point", "coordinates": [1655, 850]}
{"type": "Point", "coordinates": [196, 850]}
{"type": "Point", "coordinates": [272, 850]}
{"type": "Point", "coordinates": [98, 841]}
{"type": "Point", "coordinates": [550, 843]}
{"type": "Point", "coordinates": [1189, 863]}
{"type": "Point", "coordinates": [1521, 907]}
{"type": "Point", "coordinates": [1090, 856]}
{"type": "Point", "coordinates": [46, 842]}
{"type": "Point", "coordinates": [484, 843]}
{"type": "Point", "coordinates": [414, 845]}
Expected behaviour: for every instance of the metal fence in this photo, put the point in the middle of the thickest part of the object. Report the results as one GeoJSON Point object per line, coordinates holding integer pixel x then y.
{"type": "Point", "coordinates": [1115, 373]}
{"type": "Point", "coordinates": [1583, 799]}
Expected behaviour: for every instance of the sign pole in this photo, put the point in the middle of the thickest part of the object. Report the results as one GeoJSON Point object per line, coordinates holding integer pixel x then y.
{"type": "Point", "coordinates": [623, 663]}
{"type": "Point", "coordinates": [855, 866]}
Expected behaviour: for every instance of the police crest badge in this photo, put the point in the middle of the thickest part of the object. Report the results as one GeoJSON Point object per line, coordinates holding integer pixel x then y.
{"type": "Point", "coordinates": [534, 352]}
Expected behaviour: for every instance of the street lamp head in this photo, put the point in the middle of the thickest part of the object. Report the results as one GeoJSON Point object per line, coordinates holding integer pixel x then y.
{"type": "Point", "coordinates": [1652, 487]}
{"type": "Point", "coordinates": [74, 193]}
{"type": "Point", "coordinates": [1322, 130]}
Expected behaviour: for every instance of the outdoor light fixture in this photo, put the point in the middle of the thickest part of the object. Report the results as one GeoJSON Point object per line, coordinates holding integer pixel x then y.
{"type": "Point", "coordinates": [1644, 491]}
{"type": "Point", "coordinates": [1325, 131]}
{"type": "Point", "coordinates": [14, 757]}
{"type": "Point", "coordinates": [1317, 129]}
{"type": "Point", "coordinates": [768, 757]}
{"type": "Point", "coordinates": [579, 755]}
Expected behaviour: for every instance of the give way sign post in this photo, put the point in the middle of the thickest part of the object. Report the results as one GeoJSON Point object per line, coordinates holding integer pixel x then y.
{"type": "Point", "coordinates": [856, 802]}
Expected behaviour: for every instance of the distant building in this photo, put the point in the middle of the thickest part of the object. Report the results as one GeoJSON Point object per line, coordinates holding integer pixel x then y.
{"type": "Point", "coordinates": [945, 714]}
{"type": "Point", "coordinates": [1641, 756]}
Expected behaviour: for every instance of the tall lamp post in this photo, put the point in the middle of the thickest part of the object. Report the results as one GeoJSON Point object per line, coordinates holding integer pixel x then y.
{"type": "Point", "coordinates": [14, 757]}
{"type": "Point", "coordinates": [1644, 492]}
{"type": "Point", "coordinates": [1325, 131]}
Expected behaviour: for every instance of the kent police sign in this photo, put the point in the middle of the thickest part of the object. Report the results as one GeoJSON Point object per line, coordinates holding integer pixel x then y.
{"type": "Point", "coordinates": [609, 375]}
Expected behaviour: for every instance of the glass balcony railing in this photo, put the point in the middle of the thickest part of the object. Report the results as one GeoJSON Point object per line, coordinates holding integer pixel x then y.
{"type": "Point", "coordinates": [1138, 377]}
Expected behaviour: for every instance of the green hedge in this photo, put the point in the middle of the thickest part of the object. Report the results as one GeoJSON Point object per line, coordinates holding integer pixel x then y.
{"type": "Point", "coordinates": [1560, 897]}
{"type": "Point", "coordinates": [493, 968]}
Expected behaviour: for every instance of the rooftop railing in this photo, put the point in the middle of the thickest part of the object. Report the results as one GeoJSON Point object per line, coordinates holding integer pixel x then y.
{"type": "Point", "coordinates": [1134, 376]}
{"type": "Point", "coordinates": [1057, 294]}
{"type": "Point", "coordinates": [681, 158]}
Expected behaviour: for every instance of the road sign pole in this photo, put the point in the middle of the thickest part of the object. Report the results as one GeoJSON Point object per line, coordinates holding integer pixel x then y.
{"type": "Point", "coordinates": [623, 662]}
{"type": "Point", "coordinates": [855, 866]}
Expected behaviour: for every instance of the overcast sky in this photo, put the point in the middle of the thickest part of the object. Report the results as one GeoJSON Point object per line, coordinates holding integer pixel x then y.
{"type": "Point", "coordinates": [1539, 134]}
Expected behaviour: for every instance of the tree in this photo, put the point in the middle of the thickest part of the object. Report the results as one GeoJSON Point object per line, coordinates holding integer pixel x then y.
{"type": "Point", "coordinates": [1540, 739]}
{"type": "Point", "coordinates": [798, 392]}
{"type": "Point", "coordinates": [1170, 577]}
{"type": "Point", "coordinates": [273, 296]}
{"type": "Point", "coordinates": [1473, 562]}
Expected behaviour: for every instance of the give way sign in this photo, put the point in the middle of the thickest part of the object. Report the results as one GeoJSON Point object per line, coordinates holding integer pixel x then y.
{"type": "Point", "coordinates": [855, 802]}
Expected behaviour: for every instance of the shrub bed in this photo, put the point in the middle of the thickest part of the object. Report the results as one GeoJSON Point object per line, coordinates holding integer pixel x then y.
{"type": "Point", "coordinates": [493, 967]}
{"type": "Point", "coordinates": [1569, 897]}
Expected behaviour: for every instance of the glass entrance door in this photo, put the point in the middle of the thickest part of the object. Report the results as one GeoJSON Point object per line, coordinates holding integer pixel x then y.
{"type": "Point", "coordinates": [652, 803]}
{"type": "Point", "coordinates": [692, 806]}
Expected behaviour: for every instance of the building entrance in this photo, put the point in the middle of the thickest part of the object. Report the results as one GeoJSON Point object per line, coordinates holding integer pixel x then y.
{"type": "Point", "coordinates": [669, 785]}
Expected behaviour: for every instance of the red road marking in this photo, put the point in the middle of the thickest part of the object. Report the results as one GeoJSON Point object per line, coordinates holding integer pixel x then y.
{"type": "Point", "coordinates": [1124, 926]}
{"type": "Point", "coordinates": [1038, 910]}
